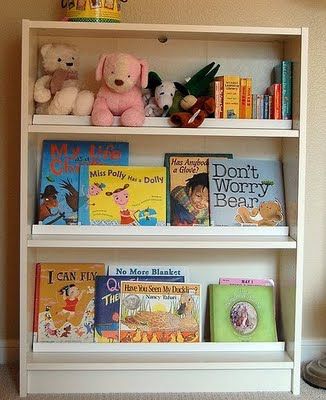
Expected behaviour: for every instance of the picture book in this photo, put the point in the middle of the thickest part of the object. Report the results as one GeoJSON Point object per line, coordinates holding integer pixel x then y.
{"type": "Point", "coordinates": [230, 86]}
{"type": "Point", "coordinates": [66, 301]}
{"type": "Point", "coordinates": [188, 188]}
{"type": "Point", "coordinates": [246, 192]}
{"type": "Point", "coordinates": [283, 76]}
{"type": "Point", "coordinates": [123, 195]}
{"type": "Point", "coordinates": [155, 271]}
{"type": "Point", "coordinates": [246, 281]}
{"type": "Point", "coordinates": [242, 313]}
{"type": "Point", "coordinates": [160, 312]}
{"type": "Point", "coordinates": [59, 175]}
{"type": "Point", "coordinates": [107, 303]}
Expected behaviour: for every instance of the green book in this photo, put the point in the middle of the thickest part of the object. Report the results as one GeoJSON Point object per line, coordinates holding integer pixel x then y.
{"type": "Point", "coordinates": [242, 313]}
{"type": "Point", "coordinates": [283, 75]}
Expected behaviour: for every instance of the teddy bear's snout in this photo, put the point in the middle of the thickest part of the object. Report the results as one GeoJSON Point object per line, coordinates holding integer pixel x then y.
{"type": "Point", "coordinates": [70, 64]}
{"type": "Point", "coordinates": [119, 82]}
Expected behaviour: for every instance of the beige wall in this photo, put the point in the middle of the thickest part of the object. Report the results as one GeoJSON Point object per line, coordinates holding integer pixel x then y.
{"type": "Point", "coordinates": [310, 13]}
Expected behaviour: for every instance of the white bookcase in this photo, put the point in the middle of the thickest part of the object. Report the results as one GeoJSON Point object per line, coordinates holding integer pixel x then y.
{"type": "Point", "coordinates": [209, 254]}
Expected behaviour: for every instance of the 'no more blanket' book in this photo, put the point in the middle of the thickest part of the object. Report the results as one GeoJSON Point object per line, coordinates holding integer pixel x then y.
{"type": "Point", "coordinates": [107, 303]}
{"type": "Point", "coordinates": [59, 175]}
{"type": "Point", "coordinates": [246, 192]}
{"type": "Point", "coordinates": [160, 312]}
{"type": "Point", "coordinates": [188, 189]}
{"type": "Point", "coordinates": [66, 301]}
{"type": "Point", "coordinates": [241, 313]}
{"type": "Point", "coordinates": [123, 195]}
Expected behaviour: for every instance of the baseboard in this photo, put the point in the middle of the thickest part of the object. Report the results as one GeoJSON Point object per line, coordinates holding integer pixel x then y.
{"type": "Point", "coordinates": [9, 350]}
{"type": "Point", "coordinates": [311, 348]}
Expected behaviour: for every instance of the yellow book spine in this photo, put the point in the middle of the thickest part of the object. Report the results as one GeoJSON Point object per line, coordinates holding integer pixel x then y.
{"type": "Point", "coordinates": [243, 99]}
{"type": "Point", "coordinates": [248, 113]}
{"type": "Point", "coordinates": [231, 96]}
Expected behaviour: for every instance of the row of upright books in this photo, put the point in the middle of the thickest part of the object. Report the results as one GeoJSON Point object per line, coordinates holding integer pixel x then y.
{"type": "Point", "coordinates": [84, 303]}
{"type": "Point", "coordinates": [234, 96]}
{"type": "Point", "coordinates": [91, 183]}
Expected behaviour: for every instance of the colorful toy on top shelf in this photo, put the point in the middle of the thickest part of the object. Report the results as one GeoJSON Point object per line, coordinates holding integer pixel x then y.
{"type": "Point", "coordinates": [120, 94]}
{"type": "Point", "coordinates": [196, 110]}
{"type": "Point", "coordinates": [57, 92]}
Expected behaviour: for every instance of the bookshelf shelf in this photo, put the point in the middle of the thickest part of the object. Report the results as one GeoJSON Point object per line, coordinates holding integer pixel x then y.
{"type": "Point", "coordinates": [264, 253]}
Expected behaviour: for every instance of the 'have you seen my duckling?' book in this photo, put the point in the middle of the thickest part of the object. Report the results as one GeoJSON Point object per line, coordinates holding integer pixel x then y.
{"type": "Point", "coordinates": [160, 312]}
{"type": "Point", "coordinates": [59, 176]}
{"type": "Point", "coordinates": [119, 195]}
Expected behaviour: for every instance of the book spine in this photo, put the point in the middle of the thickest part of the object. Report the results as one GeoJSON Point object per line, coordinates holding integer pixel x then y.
{"type": "Point", "coordinates": [36, 300]}
{"type": "Point", "coordinates": [243, 99]}
{"type": "Point", "coordinates": [265, 106]}
{"type": "Point", "coordinates": [231, 96]}
{"type": "Point", "coordinates": [254, 106]}
{"type": "Point", "coordinates": [277, 101]}
{"type": "Point", "coordinates": [270, 107]}
{"type": "Point", "coordinates": [246, 282]}
{"type": "Point", "coordinates": [248, 113]}
{"type": "Point", "coordinates": [286, 81]}
{"type": "Point", "coordinates": [218, 99]}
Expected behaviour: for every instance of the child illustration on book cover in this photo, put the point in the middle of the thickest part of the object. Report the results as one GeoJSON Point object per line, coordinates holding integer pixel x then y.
{"type": "Point", "coordinates": [189, 203]}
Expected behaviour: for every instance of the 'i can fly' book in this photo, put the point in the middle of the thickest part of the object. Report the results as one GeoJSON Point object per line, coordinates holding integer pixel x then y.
{"type": "Point", "coordinates": [246, 192]}
{"type": "Point", "coordinates": [123, 195]}
{"type": "Point", "coordinates": [65, 301]}
{"type": "Point", "coordinates": [59, 193]}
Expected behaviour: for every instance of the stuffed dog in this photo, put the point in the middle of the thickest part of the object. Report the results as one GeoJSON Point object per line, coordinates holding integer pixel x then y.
{"type": "Point", "coordinates": [123, 77]}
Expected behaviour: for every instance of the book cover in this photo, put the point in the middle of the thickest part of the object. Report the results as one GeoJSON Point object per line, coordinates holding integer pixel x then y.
{"type": "Point", "coordinates": [160, 312]}
{"type": "Point", "coordinates": [230, 85]}
{"type": "Point", "coordinates": [141, 270]}
{"type": "Point", "coordinates": [107, 303]}
{"type": "Point", "coordinates": [187, 188]}
{"type": "Point", "coordinates": [66, 301]}
{"type": "Point", "coordinates": [123, 195]}
{"type": "Point", "coordinates": [59, 175]}
{"type": "Point", "coordinates": [246, 281]}
{"type": "Point", "coordinates": [283, 75]}
{"type": "Point", "coordinates": [242, 313]}
{"type": "Point", "coordinates": [246, 192]}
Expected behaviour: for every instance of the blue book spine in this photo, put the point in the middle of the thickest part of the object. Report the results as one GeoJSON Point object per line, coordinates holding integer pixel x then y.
{"type": "Point", "coordinates": [107, 303]}
{"type": "Point", "coordinates": [265, 106]}
{"type": "Point", "coordinates": [59, 192]}
{"type": "Point", "coordinates": [283, 75]}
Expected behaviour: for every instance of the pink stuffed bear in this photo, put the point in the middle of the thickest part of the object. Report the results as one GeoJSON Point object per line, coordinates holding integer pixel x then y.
{"type": "Point", "coordinates": [120, 94]}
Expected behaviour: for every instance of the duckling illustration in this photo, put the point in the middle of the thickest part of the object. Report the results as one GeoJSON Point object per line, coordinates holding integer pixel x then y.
{"type": "Point", "coordinates": [144, 338]}
{"type": "Point", "coordinates": [154, 338]}
{"type": "Point", "coordinates": [173, 338]}
{"type": "Point", "coordinates": [166, 321]}
{"type": "Point", "coordinates": [180, 338]}
{"type": "Point", "coordinates": [137, 336]}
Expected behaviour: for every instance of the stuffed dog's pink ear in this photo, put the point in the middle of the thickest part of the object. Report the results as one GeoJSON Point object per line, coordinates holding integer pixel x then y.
{"type": "Point", "coordinates": [143, 73]}
{"type": "Point", "coordinates": [99, 68]}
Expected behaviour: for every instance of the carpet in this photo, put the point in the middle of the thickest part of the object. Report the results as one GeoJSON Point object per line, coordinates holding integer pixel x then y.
{"type": "Point", "coordinates": [9, 391]}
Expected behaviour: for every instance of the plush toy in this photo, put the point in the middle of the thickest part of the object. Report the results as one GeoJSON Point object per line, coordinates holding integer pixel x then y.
{"type": "Point", "coordinates": [120, 94]}
{"type": "Point", "coordinates": [269, 213]}
{"type": "Point", "coordinates": [162, 94]}
{"type": "Point", "coordinates": [196, 111]}
{"type": "Point", "coordinates": [57, 92]}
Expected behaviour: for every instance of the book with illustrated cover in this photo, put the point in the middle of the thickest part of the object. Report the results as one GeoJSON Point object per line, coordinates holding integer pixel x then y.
{"type": "Point", "coordinates": [242, 313]}
{"type": "Point", "coordinates": [230, 86]}
{"type": "Point", "coordinates": [119, 195]}
{"type": "Point", "coordinates": [65, 301]}
{"type": "Point", "coordinates": [59, 195]}
{"type": "Point", "coordinates": [188, 188]}
{"type": "Point", "coordinates": [246, 192]}
{"type": "Point", "coordinates": [160, 312]}
{"type": "Point", "coordinates": [107, 303]}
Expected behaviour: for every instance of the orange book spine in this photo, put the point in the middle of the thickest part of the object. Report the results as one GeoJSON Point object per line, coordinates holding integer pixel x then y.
{"type": "Point", "coordinates": [248, 113]}
{"type": "Point", "coordinates": [243, 99]}
{"type": "Point", "coordinates": [277, 101]}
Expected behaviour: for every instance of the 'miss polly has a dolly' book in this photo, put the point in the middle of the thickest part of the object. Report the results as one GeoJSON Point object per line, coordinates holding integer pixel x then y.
{"type": "Point", "coordinates": [160, 312]}
{"type": "Point", "coordinates": [107, 303]}
{"type": "Point", "coordinates": [123, 195]}
{"type": "Point", "coordinates": [246, 192]}
{"type": "Point", "coordinates": [59, 193]}
{"type": "Point", "coordinates": [64, 301]}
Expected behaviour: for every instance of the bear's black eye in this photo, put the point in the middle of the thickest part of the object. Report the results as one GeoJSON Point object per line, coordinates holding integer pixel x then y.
{"type": "Point", "coordinates": [59, 60]}
{"type": "Point", "coordinates": [128, 76]}
{"type": "Point", "coordinates": [73, 58]}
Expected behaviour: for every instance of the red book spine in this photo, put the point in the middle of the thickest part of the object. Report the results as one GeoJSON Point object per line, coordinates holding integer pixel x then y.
{"type": "Point", "coordinates": [277, 101]}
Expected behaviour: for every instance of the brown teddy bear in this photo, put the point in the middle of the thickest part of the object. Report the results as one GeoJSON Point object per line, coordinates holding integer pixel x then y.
{"type": "Point", "coordinates": [269, 213]}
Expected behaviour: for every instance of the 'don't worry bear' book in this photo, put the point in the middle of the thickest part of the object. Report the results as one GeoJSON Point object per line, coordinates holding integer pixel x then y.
{"type": "Point", "coordinates": [119, 195]}
{"type": "Point", "coordinates": [59, 175]}
{"type": "Point", "coordinates": [246, 192]}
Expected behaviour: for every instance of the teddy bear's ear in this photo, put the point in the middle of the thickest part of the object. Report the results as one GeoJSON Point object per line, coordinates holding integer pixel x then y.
{"type": "Point", "coordinates": [99, 68]}
{"type": "Point", "coordinates": [45, 48]}
{"type": "Point", "coordinates": [143, 73]}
